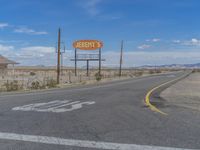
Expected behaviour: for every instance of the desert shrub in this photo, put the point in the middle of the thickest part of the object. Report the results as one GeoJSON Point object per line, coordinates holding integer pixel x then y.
{"type": "Point", "coordinates": [32, 73]}
{"type": "Point", "coordinates": [158, 71]}
{"type": "Point", "coordinates": [51, 83]}
{"type": "Point", "coordinates": [138, 73]}
{"type": "Point", "coordinates": [98, 76]}
{"type": "Point", "coordinates": [12, 86]}
{"type": "Point", "coordinates": [195, 70]}
{"type": "Point", "coordinates": [151, 71]}
{"type": "Point", "coordinates": [35, 85]}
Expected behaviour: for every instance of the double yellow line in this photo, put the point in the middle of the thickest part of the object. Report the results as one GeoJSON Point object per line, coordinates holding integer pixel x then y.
{"type": "Point", "coordinates": [148, 95]}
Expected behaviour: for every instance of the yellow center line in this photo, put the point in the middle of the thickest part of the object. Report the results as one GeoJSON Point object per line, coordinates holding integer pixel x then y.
{"type": "Point", "coordinates": [148, 95]}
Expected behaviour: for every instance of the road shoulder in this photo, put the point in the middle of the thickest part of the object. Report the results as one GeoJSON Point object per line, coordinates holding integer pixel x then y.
{"type": "Point", "coordinates": [184, 93]}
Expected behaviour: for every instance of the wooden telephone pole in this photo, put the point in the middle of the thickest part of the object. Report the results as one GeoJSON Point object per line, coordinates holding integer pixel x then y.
{"type": "Point", "coordinates": [58, 63]}
{"type": "Point", "coordinates": [121, 58]}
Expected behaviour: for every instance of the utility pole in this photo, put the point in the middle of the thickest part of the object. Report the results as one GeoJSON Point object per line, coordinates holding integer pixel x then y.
{"type": "Point", "coordinates": [75, 62]}
{"type": "Point", "coordinates": [58, 63]}
{"type": "Point", "coordinates": [121, 58]}
{"type": "Point", "coordinates": [99, 61]}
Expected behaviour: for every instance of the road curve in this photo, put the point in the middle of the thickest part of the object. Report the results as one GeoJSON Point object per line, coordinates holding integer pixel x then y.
{"type": "Point", "coordinates": [107, 116]}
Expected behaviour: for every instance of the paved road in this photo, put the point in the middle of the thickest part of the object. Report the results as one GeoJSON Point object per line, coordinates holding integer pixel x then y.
{"type": "Point", "coordinates": [107, 116]}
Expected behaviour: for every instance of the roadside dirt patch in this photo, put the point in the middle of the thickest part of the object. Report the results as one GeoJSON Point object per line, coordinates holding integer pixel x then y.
{"type": "Point", "coordinates": [185, 93]}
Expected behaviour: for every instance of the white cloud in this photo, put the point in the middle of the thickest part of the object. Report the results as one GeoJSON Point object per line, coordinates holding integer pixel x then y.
{"type": "Point", "coordinates": [131, 59]}
{"type": "Point", "coordinates": [154, 40]}
{"type": "Point", "coordinates": [37, 50]}
{"type": "Point", "coordinates": [29, 31]}
{"type": "Point", "coordinates": [3, 25]}
{"type": "Point", "coordinates": [44, 55]}
{"type": "Point", "coordinates": [144, 46]}
{"type": "Point", "coordinates": [13, 42]}
{"type": "Point", "coordinates": [192, 42]}
{"type": "Point", "coordinates": [91, 6]}
{"type": "Point", "coordinates": [34, 55]}
{"type": "Point", "coordinates": [176, 41]}
{"type": "Point", "coordinates": [5, 48]}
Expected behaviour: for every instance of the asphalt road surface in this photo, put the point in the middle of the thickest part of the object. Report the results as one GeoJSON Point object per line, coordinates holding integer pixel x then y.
{"type": "Point", "coordinates": [107, 116]}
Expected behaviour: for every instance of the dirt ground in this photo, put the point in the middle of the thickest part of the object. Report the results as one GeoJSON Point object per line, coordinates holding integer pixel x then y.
{"type": "Point", "coordinates": [29, 78]}
{"type": "Point", "coordinates": [185, 93]}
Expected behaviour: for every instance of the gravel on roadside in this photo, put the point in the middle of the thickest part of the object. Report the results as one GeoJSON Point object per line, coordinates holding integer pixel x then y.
{"type": "Point", "coordinates": [185, 93]}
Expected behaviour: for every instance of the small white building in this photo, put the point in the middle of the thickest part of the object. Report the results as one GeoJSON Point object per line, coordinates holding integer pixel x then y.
{"type": "Point", "coordinates": [4, 62]}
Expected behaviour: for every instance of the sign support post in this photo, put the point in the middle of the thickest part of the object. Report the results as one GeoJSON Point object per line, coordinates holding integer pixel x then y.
{"type": "Point", "coordinates": [87, 67]}
{"type": "Point", "coordinates": [99, 61]}
{"type": "Point", "coordinates": [75, 62]}
{"type": "Point", "coordinates": [89, 45]}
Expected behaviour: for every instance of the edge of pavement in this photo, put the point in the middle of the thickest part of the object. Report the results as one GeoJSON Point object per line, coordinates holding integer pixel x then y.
{"type": "Point", "coordinates": [155, 92]}
{"type": "Point", "coordinates": [80, 85]}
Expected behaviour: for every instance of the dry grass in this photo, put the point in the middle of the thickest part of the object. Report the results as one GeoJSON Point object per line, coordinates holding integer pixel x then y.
{"type": "Point", "coordinates": [27, 78]}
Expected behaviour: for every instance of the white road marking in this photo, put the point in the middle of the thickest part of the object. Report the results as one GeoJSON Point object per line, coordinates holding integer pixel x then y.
{"type": "Point", "coordinates": [80, 143]}
{"type": "Point", "coordinates": [54, 103]}
{"type": "Point", "coordinates": [171, 76]}
{"type": "Point", "coordinates": [74, 107]}
{"type": "Point", "coordinates": [63, 105]}
{"type": "Point", "coordinates": [54, 106]}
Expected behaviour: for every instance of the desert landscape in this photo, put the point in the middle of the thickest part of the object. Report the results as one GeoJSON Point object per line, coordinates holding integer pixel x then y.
{"type": "Point", "coordinates": [33, 78]}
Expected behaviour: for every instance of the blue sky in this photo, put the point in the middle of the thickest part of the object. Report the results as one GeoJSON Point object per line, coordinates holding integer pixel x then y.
{"type": "Point", "coordinates": [155, 31]}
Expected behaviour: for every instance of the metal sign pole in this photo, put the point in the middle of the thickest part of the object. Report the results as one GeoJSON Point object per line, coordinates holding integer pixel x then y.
{"type": "Point", "coordinates": [87, 67]}
{"type": "Point", "coordinates": [75, 62]}
{"type": "Point", "coordinates": [61, 69]}
{"type": "Point", "coordinates": [99, 61]}
{"type": "Point", "coordinates": [87, 45]}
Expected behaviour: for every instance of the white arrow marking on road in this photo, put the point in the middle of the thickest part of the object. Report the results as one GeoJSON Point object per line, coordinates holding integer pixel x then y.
{"type": "Point", "coordinates": [54, 106]}
{"type": "Point", "coordinates": [80, 143]}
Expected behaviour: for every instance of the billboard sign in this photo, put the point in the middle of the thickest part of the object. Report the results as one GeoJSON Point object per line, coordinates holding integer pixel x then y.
{"type": "Point", "coordinates": [87, 44]}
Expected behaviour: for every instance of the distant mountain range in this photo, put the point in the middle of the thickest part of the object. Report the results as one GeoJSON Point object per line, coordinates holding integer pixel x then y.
{"type": "Point", "coordinates": [178, 66]}
{"type": "Point", "coordinates": [182, 66]}
{"type": "Point", "coordinates": [197, 65]}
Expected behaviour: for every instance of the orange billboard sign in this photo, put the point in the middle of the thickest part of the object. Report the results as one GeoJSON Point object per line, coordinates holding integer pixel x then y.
{"type": "Point", "coordinates": [87, 44]}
